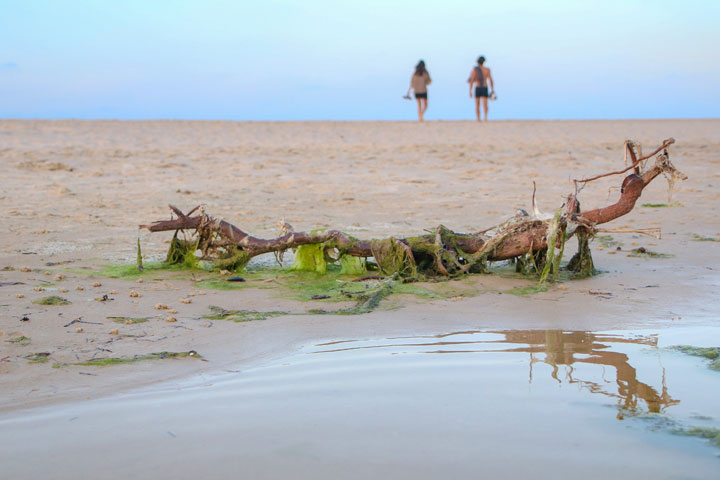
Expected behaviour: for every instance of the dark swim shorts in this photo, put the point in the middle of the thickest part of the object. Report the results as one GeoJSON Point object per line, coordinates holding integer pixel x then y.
{"type": "Point", "coordinates": [421, 95]}
{"type": "Point", "coordinates": [481, 92]}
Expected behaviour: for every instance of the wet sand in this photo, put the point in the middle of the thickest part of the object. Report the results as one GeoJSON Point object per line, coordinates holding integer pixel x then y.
{"type": "Point", "coordinates": [539, 403]}
{"type": "Point", "coordinates": [75, 191]}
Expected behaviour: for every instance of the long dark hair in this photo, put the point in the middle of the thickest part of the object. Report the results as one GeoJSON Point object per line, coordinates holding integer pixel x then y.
{"type": "Point", "coordinates": [420, 68]}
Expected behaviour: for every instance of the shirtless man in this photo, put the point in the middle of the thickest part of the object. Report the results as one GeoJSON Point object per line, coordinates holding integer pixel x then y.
{"type": "Point", "coordinates": [480, 78]}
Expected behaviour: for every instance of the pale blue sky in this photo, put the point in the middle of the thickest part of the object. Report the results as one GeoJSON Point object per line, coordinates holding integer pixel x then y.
{"type": "Point", "coordinates": [335, 60]}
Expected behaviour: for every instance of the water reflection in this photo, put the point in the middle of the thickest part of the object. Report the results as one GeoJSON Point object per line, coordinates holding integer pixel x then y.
{"type": "Point", "coordinates": [556, 348]}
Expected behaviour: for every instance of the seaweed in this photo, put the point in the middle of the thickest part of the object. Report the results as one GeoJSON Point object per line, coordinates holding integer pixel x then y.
{"type": "Point", "coordinates": [237, 316]}
{"type": "Point", "coordinates": [528, 290]}
{"type": "Point", "coordinates": [710, 353]}
{"type": "Point", "coordinates": [310, 258]}
{"type": "Point", "coordinates": [102, 362]}
{"type": "Point", "coordinates": [128, 320]}
{"type": "Point", "coordinates": [642, 252]}
{"type": "Point", "coordinates": [38, 357]}
{"type": "Point", "coordinates": [22, 340]}
{"type": "Point", "coordinates": [52, 300]}
{"type": "Point", "coordinates": [701, 238]}
{"type": "Point", "coordinates": [709, 433]}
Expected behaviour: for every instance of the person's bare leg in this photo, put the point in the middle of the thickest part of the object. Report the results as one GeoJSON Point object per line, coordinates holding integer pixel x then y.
{"type": "Point", "coordinates": [425, 104]}
{"type": "Point", "coordinates": [485, 108]}
{"type": "Point", "coordinates": [477, 108]}
{"type": "Point", "coordinates": [420, 110]}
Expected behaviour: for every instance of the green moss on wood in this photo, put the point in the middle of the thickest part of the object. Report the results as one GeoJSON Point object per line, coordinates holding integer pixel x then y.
{"type": "Point", "coordinates": [22, 340]}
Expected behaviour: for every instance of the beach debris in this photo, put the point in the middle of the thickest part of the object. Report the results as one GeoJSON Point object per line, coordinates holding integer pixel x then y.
{"type": "Point", "coordinates": [103, 362]}
{"type": "Point", "coordinates": [97, 284]}
{"type": "Point", "coordinates": [186, 301]}
{"type": "Point", "coordinates": [134, 294]}
{"type": "Point", "coordinates": [25, 318]}
{"type": "Point", "coordinates": [59, 277]}
{"type": "Point", "coordinates": [534, 242]}
{"type": "Point", "coordinates": [80, 288]}
{"type": "Point", "coordinates": [52, 300]}
{"type": "Point", "coordinates": [172, 311]}
{"type": "Point", "coordinates": [5, 284]}
{"type": "Point", "coordinates": [170, 319]}
{"type": "Point", "coordinates": [39, 289]}
{"type": "Point", "coordinates": [62, 290]}
{"type": "Point", "coordinates": [80, 320]}
{"type": "Point", "coordinates": [21, 340]}
{"type": "Point", "coordinates": [37, 357]}
{"type": "Point", "coordinates": [598, 292]}
{"type": "Point", "coordinates": [79, 330]}
{"type": "Point", "coordinates": [25, 269]}
{"type": "Point", "coordinates": [19, 295]}
{"type": "Point", "coordinates": [139, 264]}
{"type": "Point", "coordinates": [114, 331]}
{"type": "Point", "coordinates": [129, 320]}
{"type": "Point", "coordinates": [235, 279]}
{"type": "Point", "coordinates": [319, 297]}
{"type": "Point", "coordinates": [162, 306]}
{"type": "Point", "coordinates": [104, 298]}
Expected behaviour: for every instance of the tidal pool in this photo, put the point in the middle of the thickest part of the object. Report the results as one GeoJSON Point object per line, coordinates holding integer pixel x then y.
{"type": "Point", "coordinates": [475, 404]}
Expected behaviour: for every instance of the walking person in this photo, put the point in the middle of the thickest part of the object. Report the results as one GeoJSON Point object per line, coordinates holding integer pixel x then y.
{"type": "Point", "coordinates": [481, 78]}
{"type": "Point", "coordinates": [419, 83]}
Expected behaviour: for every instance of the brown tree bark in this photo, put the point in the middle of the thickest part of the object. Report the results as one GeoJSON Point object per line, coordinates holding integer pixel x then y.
{"type": "Point", "coordinates": [517, 237]}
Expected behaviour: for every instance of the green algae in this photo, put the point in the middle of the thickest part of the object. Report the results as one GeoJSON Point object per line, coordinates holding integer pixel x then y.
{"type": "Point", "coordinates": [220, 284]}
{"type": "Point", "coordinates": [552, 260]}
{"type": "Point", "coordinates": [582, 262]}
{"type": "Point", "coordinates": [350, 265]}
{"type": "Point", "coordinates": [700, 238]}
{"type": "Point", "coordinates": [22, 340]}
{"type": "Point", "coordinates": [310, 258]}
{"type": "Point", "coordinates": [642, 252]}
{"type": "Point", "coordinates": [127, 320]}
{"type": "Point", "coordinates": [52, 300]}
{"type": "Point", "coordinates": [139, 264]}
{"type": "Point", "coordinates": [709, 433]}
{"type": "Point", "coordinates": [710, 353]}
{"type": "Point", "coordinates": [607, 241]}
{"type": "Point", "coordinates": [237, 316]}
{"type": "Point", "coordinates": [661, 205]}
{"type": "Point", "coordinates": [528, 290]}
{"type": "Point", "coordinates": [103, 362]}
{"type": "Point", "coordinates": [39, 357]}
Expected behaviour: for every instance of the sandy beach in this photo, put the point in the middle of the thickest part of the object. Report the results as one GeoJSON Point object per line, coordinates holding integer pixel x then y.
{"type": "Point", "coordinates": [74, 192]}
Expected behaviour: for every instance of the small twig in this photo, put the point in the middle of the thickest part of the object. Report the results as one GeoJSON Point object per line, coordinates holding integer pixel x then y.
{"type": "Point", "coordinates": [369, 277]}
{"type": "Point", "coordinates": [80, 320]}
{"type": "Point", "coordinates": [637, 162]}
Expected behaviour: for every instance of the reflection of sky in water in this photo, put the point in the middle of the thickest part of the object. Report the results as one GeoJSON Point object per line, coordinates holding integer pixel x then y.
{"type": "Point", "coordinates": [440, 406]}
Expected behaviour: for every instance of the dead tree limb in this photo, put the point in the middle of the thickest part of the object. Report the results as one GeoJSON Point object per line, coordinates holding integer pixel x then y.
{"type": "Point", "coordinates": [441, 252]}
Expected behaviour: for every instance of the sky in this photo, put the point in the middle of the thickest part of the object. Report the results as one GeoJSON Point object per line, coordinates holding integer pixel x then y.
{"type": "Point", "coordinates": [341, 60]}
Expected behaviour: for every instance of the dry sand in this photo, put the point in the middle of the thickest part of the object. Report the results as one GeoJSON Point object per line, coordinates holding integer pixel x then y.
{"type": "Point", "coordinates": [75, 191]}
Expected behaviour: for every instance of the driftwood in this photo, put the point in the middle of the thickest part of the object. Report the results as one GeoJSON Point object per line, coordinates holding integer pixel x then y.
{"type": "Point", "coordinates": [536, 241]}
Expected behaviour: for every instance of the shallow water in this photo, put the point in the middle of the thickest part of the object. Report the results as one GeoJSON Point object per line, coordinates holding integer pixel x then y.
{"type": "Point", "coordinates": [476, 404]}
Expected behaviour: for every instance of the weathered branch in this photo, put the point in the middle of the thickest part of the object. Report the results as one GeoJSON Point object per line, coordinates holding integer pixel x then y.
{"type": "Point", "coordinates": [446, 252]}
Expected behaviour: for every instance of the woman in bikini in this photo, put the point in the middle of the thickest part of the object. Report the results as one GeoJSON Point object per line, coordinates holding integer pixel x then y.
{"type": "Point", "coordinates": [418, 83]}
